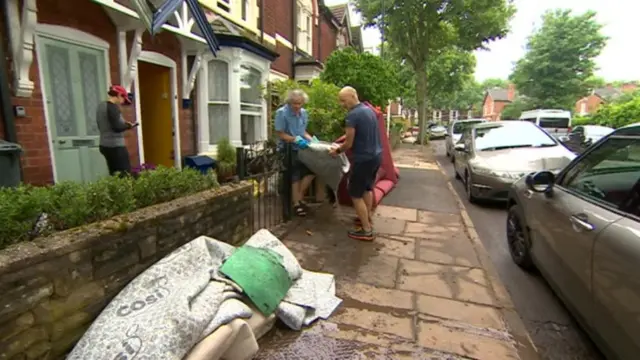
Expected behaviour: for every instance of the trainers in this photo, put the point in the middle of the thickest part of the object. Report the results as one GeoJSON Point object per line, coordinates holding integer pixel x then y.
{"type": "Point", "coordinates": [361, 234]}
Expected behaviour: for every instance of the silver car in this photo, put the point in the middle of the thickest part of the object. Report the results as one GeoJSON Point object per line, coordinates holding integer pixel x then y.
{"type": "Point", "coordinates": [454, 133]}
{"type": "Point", "coordinates": [581, 230]}
{"type": "Point", "coordinates": [491, 156]}
{"type": "Point", "coordinates": [437, 131]}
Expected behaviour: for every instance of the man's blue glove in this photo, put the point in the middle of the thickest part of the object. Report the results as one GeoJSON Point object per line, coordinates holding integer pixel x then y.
{"type": "Point", "coordinates": [301, 142]}
{"type": "Point", "coordinates": [314, 139]}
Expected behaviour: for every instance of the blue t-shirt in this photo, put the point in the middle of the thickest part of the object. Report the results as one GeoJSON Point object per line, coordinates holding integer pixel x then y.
{"type": "Point", "coordinates": [366, 143]}
{"type": "Point", "coordinates": [290, 123]}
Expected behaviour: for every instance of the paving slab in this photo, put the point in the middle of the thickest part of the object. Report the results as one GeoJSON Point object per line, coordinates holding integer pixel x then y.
{"type": "Point", "coordinates": [453, 282]}
{"type": "Point", "coordinates": [422, 190]}
{"type": "Point", "coordinates": [419, 291]}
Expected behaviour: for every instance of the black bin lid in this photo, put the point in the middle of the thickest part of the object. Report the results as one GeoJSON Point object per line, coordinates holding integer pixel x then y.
{"type": "Point", "coordinates": [9, 147]}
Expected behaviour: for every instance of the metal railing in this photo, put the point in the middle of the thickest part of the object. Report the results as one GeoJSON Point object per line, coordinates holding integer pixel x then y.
{"type": "Point", "coordinates": [269, 170]}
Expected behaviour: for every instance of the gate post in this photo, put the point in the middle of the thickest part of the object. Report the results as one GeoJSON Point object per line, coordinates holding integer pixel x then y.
{"type": "Point", "coordinates": [287, 198]}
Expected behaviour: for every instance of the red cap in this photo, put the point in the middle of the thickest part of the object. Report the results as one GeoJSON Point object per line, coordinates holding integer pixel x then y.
{"type": "Point", "coordinates": [121, 91]}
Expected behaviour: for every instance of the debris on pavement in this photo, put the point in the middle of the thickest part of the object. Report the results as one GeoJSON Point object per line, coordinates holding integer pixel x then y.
{"type": "Point", "coordinates": [185, 306]}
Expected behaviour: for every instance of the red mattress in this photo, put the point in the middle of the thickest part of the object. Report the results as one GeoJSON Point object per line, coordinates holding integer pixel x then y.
{"type": "Point", "coordinates": [387, 176]}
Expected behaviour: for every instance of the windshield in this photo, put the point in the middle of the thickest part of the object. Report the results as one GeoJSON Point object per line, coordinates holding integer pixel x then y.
{"type": "Point", "coordinates": [562, 123]}
{"type": "Point", "coordinates": [598, 131]}
{"type": "Point", "coordinates": [508, 137]}
{"type": "Point", "coordinates": [459, 127]}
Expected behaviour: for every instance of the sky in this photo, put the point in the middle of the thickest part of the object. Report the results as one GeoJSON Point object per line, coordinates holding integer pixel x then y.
{"type": "Point", "coordinates": [620, 60]}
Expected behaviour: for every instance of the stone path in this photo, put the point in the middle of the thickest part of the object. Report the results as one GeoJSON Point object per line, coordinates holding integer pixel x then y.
{"type": "Point", "coordinates": [419, 291]}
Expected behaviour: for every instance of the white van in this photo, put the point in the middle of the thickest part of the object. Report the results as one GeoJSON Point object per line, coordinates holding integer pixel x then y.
{"type": "Point", "coordinates": [556, 122]}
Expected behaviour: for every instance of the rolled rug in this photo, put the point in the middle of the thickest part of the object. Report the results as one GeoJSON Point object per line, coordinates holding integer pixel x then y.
{"type": "Point", "coordinates": [328, 169]}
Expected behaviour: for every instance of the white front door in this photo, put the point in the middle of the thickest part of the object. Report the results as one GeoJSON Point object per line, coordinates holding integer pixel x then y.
{"type": "Point", "coordinates": [74, 79]}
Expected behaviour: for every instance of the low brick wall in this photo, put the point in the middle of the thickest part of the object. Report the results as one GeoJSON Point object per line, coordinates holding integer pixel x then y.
{"type": "Point", "coordinates": [51, 289]}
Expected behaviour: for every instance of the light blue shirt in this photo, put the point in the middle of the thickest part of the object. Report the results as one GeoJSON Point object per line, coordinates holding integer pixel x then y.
{"type": "Point", "coordinates": [290, 123]}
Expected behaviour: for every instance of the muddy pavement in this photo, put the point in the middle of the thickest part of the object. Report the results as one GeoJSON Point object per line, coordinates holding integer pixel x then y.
{"type": "Point", "coordinates": [421, 290]}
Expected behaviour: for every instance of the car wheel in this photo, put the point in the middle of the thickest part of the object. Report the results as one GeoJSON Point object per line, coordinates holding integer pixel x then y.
{"type": "Point", "coordinates": [518, 239]}
{"type": "Point", "coordinates": [467, 184]}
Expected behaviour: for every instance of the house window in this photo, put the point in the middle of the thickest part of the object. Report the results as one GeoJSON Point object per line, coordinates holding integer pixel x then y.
{"type": "Point", "coordinates": [305, 28]}
{"type": "Point", "coordinates": [583, 108]}
{"type": "Point", "coordinates": [251, 104]}
{"type": "Point", "coordinates": [230, 99]}
{"type": "Point", "coordinates": [218, 102]}
{"type": "Point", "coordinates": [224, 5]}
{"type": "Point", "coordinates": [245, 9]}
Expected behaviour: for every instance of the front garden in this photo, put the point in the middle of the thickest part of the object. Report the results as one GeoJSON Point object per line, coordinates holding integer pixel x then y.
{"type": "Point", "coordinates": [27, 212]}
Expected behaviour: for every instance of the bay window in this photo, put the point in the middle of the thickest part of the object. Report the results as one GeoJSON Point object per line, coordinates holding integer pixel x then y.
{"type": "Point", "coordinates": [251, 103]}
{"type": "Point", "coordinates": [218, 104]}
{"type": "Point", "coordinates": [230, 99]}
{"type": "Point", "coordinates": [305, 26]}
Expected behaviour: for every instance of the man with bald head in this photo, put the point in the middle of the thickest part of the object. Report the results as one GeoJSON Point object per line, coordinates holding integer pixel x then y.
{"type": "Point", "coordinates": [363, 138]}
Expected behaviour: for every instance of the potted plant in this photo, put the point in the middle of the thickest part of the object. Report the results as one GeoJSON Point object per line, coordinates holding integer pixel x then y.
{"type": "Point", "coordinates": [226, 160]}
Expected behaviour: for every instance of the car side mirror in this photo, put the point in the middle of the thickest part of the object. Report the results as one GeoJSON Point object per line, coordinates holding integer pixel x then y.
{"type": "Point", "coordinates": [460, 147]}
{"type": "Point", "coordinates": [541, 182]}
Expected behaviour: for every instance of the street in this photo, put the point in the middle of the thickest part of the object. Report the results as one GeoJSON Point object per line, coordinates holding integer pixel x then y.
{"type": "Point", "coordinates": [553, 330]}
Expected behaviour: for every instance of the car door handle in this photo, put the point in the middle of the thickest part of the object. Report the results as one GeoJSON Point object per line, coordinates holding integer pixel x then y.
{"type": "Point", "coordinates": [579, 222]}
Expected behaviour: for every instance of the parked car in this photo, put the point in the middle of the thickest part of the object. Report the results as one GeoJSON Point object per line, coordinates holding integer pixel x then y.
{"type": "Point", "coordinates": [583, 136]}
{"type": "Point", "coordinates": [437, 131]}
{"type": "Point", "coordinates": [581, 230]}
{"type": "Point", "coordinates": [491, 156]}
{"type": "Point", "coordinates": [455, 132]}
{"type": "Point", "coordinates": [555, 122]}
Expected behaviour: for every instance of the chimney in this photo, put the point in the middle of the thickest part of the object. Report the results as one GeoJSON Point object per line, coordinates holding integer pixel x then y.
{"type": "Point", "coordinates": [511, 92]}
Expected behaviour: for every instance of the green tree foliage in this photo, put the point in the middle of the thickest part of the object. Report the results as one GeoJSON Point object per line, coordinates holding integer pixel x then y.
{"type": "Point", "coordinates": [494, 83]}
{"type": "Point", "coordinates": [558, 66]}
{"type": "Point", "coordinates": [326, 115]}
{"type": "Point", "coordinates": [595, 82]}
{"type": "Point", "coordinates": [450, 72]}
{"type": "Point", "coordinates": [374, 78]}
{"type": "Point", "coordinates": [421, 30]}
{"type": "Point", "coordinates": [617, 114]}
{"type": "Point", "coordinates": [513, 110]}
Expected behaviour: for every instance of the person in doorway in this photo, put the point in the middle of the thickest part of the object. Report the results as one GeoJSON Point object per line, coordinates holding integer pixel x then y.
{"type": "Point", "coordinates": [291, 126]}
{"type": "Point", "coordinates": [112, 126]}
{"type": "Point", "coordinates": [363, 138]}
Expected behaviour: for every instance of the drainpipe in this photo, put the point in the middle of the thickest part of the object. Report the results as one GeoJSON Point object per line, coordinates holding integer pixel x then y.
{"type": "Point", "coordinates": [320, 35]}
{"type": "Point", "coordinates": [10, 133]}
{"type": "Point", "coordinates": [294, 18]}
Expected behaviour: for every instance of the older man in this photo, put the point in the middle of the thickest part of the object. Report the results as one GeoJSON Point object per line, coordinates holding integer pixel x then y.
{"type": "Point", "coordinates": [291, 127]}
{"type": "Point", "coordinates": [363, 138]}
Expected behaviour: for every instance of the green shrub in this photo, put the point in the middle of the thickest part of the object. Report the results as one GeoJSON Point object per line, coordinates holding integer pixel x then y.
{"type": "Point", "coordinates": [226, 156]}
{"type": "Point", "coordinates": [326, 116]}
{"type": "Point", "coordinates": [69, 204]}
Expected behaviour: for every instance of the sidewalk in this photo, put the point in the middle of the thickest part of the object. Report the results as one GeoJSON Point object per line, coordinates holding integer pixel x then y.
{"type": "Point", "coordinates": [425, 289]}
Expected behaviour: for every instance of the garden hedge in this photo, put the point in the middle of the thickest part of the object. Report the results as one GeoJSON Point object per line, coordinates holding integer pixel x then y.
{"type": "Point", "coordinates": [67, 205]}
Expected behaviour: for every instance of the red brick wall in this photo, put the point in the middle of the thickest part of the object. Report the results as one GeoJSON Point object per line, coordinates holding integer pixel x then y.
{"type": "Point", "coordinates": [593, 103]}
{"type": "Point", "coordinates": [278, 19]}
{"type": "Point", "coordinates": [328, 37]}
{"type": "Point", "coordinates": [91, 18]}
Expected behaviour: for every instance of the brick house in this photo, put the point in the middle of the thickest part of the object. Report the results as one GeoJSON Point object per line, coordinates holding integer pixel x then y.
{"type": "Point", "coordinates": [495, 100]}
{"type": "Point", "coordinates": [62, 56]}
{"type": "Point", "coordinates": [591, 103]}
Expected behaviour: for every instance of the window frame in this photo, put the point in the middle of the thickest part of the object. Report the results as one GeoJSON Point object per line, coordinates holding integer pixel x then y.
{"type": "Point", "coordinates": [219, 102]}
{"type": "Point", "coordinates": [304, 24]}
{"type": "Point", "coordinates": [235, 59]}
{"type": "Point", "coordinates": [567, 171]}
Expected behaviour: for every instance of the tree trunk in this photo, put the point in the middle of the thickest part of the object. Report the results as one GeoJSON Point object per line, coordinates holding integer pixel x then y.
{"type": "Point", "coordinates": [421, 98]}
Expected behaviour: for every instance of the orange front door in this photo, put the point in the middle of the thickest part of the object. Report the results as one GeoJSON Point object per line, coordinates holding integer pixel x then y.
{"type": "Point", "coordinates": [156, 113]}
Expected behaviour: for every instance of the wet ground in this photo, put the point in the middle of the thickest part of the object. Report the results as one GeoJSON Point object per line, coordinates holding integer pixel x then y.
{"type": "Point", "coordinates": [552, 329]}
{"type": "Point", "coordinates": [417, 292]}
